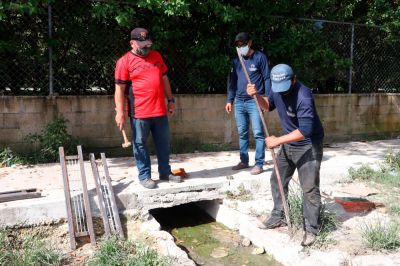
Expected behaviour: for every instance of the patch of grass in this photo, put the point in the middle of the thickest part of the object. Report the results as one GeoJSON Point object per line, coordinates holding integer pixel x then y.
{"type": "Point", "coordinates": [380, 236]}
{"type": "Point", "coordinates": [241, 194]}
{"type": "Point", "coordinates": [115, 251]}
{"type": "Point", "coordinates": [328, 219]}
{"type": "Point", "coordinates": [386, 175]}
{"type": "Point", "coordinates": [9, 158]}
{"type": "Point", "coordinates": [28, 251]}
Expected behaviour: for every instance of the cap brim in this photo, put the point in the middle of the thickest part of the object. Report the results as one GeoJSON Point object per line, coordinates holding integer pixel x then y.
{"type": "Point", "coordinates": [281, 86]}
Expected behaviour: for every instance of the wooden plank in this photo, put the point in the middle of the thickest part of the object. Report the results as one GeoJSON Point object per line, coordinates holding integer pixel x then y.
{"type": "Point", "coordinates": [114, 207]}
{"type": "Point", "coordinates": [100, 195]}
{"type": "Point", "coordinates": [67, 195]}
{"type": "Point", "coordinates": [21, 190]}
{"type": "Point", "coordinates": [86, 201]}
{"type": "Point", "coordinates": [19, 196]}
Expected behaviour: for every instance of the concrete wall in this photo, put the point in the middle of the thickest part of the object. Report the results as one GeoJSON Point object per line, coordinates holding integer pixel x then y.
{"type": "Point", "coordinates": [198, 117]}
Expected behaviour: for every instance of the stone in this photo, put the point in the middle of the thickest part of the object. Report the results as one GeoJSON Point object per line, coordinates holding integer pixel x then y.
{"type": "Point", "coordinates": [258, 251]}
{"type": "Point", "coordinates": [246, 242]}
{"type": "Point", "coordinates": [219, 252]}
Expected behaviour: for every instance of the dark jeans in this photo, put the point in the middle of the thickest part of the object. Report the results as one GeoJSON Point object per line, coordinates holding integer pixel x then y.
{"type": "Point", "coordinates": [307, 160]}
{"type": "Point", "coordinates": [159, 128]}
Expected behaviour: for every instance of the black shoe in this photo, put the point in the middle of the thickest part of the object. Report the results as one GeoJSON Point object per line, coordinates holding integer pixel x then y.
{"type": "Point", "coordinates": [272, 222]}
{"type": "Point", "coordinates": [308, 239]}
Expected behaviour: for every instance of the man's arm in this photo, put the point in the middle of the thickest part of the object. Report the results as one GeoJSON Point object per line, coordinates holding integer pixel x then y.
{"type": "Point", "coordinates": [119, 98]}
{"type": "Point", "coordinates": [293, 136]}
{"type": "Point", "coordinates": [262, 100]}
{"type": "Point", "coordinates": [168, 94]}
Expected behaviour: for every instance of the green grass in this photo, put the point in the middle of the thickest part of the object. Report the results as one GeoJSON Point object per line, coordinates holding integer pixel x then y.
{"type": "Point", "coordinates": [388, 174]}
{"type": "Point", "coordinates": [328, 219]}
{"type": "Point", "coordinates": [380, 236]}
{"type": "Point", "coordinates": [27, 252]}
{"type": "Point", "coordinates": [116, 251]}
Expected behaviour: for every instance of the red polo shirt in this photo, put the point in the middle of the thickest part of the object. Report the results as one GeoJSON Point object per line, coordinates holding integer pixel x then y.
{"type": "Point", "coordinates": [145, 74]}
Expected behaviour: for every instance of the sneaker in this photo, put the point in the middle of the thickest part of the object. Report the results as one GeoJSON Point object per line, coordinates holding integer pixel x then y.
{"type": "Point", "coordinates": [240, 166]}
{"type": "Point", "coordinates": [271, 223]}
{"type": "Point", "coordinates": [256, 170]}
{"type": "Point", "coordinates": [148, 183]}
{"type": "Point", "coordinates": [171, 178]}
{"type": "Point", "coordinates": [308, 239]}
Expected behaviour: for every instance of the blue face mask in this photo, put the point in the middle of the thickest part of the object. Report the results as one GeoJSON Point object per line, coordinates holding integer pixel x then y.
{"type": "Point", "coordinates": [244, 50]}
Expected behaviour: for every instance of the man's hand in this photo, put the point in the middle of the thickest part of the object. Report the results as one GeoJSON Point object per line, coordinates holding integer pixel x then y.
{"type": "Point", "coordinates": [228, 108]}
{"type": "Point", "coordinates": [251, 89]}
{"type": "Point", "coordinates": [171, 108]}
{"type": "Point", "coordinates": [272, 142]}
{"type": "Point", "coordinates": [120, 120]}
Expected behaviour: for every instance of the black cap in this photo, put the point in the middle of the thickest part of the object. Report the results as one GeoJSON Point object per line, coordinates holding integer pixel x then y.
{"type": "Point", "coordinates": [242, 37]}
{"type": "Point", "coordinates": [140, 34]}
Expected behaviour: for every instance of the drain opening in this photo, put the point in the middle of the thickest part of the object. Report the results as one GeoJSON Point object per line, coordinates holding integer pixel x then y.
{"type": "Point", "coordinates": [206, 241]}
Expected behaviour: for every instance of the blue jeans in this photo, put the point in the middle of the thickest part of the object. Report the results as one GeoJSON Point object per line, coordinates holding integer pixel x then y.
{"type": "Point", "coordinates": [246, 111]}
{"type": "Point", "coordinates": [159, 128]}
{"type": "Point", "coordinates": [307, 160]}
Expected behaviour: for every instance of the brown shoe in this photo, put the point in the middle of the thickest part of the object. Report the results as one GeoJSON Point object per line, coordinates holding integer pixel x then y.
{"type": "Point", "coordinates": [308, 239]}
{"type": "Point", "coordinates": [256, 170]}
{"type": "Point", "coordinates": [240, 166]}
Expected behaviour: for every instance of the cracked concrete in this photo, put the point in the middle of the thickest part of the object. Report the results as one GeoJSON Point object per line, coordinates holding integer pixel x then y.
{"type": "Point", "coordinates": [210, 179]}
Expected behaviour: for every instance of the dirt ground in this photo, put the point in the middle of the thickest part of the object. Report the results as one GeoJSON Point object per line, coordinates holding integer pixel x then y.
{"type": "Point", "coordinates": [334, 183]}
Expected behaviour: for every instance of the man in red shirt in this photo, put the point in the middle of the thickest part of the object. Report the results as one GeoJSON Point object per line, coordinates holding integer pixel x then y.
{"type": "Point", "coordinates": [145, 71]}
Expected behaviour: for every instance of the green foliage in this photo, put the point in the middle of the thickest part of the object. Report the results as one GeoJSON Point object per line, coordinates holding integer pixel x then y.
{"type": "Point", "coordinates": [115, 252]}
{"type": "Point", "coordinates": [50, 139]}
{"type": "Point", "coordinates": [388, 174]}
{"type": "Point", "coordinates": [26, 252]}
{"type": "Point", "coordinates": [364, 172]}
{"type": "Point", "coordinates": [380, 236]}
{"type": "Point", "coordinates": [329, 221]}
{"type": "Point", "coordinates": [8, 158]}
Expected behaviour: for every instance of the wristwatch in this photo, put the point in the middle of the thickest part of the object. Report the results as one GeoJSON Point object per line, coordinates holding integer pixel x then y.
{"type": "Point", "coordinates": [172, 100]}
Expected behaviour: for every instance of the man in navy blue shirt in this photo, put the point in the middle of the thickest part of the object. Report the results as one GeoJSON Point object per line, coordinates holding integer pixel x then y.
{"type": "Point", "coordinates": [245, 107]}
{"type": "Point", "coordinates": [301, 147]}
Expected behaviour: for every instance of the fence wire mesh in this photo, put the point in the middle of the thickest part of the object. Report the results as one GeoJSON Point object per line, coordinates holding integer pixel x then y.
{"type": "Point", "coordinates": [330, 57]}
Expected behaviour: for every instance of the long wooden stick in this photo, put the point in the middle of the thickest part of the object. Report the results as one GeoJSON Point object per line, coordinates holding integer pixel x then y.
{"type": "Point", "coordinates": [278, 175]}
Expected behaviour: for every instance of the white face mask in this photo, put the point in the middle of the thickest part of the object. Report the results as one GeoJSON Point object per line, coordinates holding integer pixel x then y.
{"type": "Point", "coordinates": [244, 50]}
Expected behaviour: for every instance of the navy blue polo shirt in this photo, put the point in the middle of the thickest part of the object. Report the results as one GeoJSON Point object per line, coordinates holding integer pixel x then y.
{"type": "Point", "coordinates": [258, 70]}
{"type": "Point", "coordinates": [294, 106]}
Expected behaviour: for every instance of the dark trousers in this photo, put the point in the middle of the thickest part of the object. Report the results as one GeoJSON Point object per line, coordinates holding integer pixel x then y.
{"type": "Point", "coordinates": [307, 160]}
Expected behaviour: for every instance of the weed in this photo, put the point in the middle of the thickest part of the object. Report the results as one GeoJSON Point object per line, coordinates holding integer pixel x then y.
{"type": "Point", "coordinates": [115, 251]}
{"type": "Point", "coordinates": [28, 251]}
{"type": "Point", "coordinates": [51, 138]}
{"type": "Point", "coordinates": [8, 158]}
{"type": "Point", "coordinates": [382, 236]}
{"type": "Point", "coordinates": [364, 172]}
{"type": "Point", "coordinates": [392, 160]}
{"type": "Point", "coordinates": [328, 219]}
{"type": "Point", "coordinates": [242, 194]}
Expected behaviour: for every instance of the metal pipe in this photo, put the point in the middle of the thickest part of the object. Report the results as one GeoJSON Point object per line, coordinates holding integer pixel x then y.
{"type": "Point", "coordinates": [50, 34]}
{"type": "Point", "coordinates": [351, 59]}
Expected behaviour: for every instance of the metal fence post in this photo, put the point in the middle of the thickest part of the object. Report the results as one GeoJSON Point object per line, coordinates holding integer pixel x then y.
{"type": "Point", "coordinates": [51, 92]}
{"type": "Point", "coordinates": [351, 58]}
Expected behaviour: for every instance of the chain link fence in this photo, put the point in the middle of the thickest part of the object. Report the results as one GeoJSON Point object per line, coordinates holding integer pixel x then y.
{"type": "Point", "coordinates": [66, 50]}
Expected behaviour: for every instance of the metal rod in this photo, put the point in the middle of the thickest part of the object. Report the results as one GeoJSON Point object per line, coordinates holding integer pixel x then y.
{"type": "Point", "coordinates": [88, 211]}
{"type": "Point", "coordinates": [50, 34]}
{"type": "Point", "coordinates": [67, 195]}
{"type": "Point", "coordinates": [278, 175]}
{"type": "Point", "coordinates": [351, 59]}
{"type": "Point", "coordinates": [100, 195]}
{"type": "Point", "coordinates": [111, 195]}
